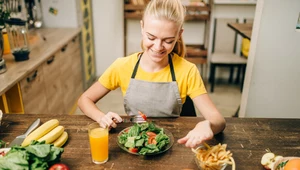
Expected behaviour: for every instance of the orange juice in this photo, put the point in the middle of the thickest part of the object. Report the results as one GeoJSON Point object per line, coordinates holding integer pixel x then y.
{"type": "Point", "coordinates": [99, 144]}
{"type": "Point", "coordinates": [6, 46]}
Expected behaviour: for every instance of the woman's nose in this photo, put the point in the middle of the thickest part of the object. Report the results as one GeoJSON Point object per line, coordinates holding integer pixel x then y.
{"type": "Point", "coordinates": [158, 45]}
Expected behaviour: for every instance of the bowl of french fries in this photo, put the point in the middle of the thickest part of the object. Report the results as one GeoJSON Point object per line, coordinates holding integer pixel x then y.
{"type": "Point", "coordinates": [213, 157]}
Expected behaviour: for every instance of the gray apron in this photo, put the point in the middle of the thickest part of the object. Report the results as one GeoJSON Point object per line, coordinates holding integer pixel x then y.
{"type": "Point", "coordinates": [155, 99]}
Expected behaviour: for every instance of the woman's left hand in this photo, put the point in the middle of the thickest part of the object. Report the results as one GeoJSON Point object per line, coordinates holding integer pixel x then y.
{"type": "Point", "coordinates": [198, 135]}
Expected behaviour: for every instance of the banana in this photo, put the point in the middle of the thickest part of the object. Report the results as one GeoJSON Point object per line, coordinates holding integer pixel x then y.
{"type": "Point", "coordinates": [40, 131]}
{"type": "Point", "coordinates": [52, 135]}
{"type": "Point", "coordinates": [61, 140]}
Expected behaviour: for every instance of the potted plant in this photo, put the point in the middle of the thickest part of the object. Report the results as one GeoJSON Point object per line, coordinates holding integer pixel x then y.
{"type": "Point", "coordinates": [3, 14]}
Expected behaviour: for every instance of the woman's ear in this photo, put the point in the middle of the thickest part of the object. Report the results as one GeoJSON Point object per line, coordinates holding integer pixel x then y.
{"type": "Point", "coordinates": [142, 26]}
{"type": "Point", "coordinates": [180, 32]}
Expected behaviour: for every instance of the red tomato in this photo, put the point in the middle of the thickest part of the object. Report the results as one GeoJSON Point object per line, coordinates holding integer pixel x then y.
{"type": "Point", "coordinates": [59, 166]}
{"type": "Point", "coordinates": [150, 134]}
{"type": "Point", "coordinates": [142, 115]}
{"type": "Point", "coordinates": [134, 150]}
{"type": "Point", "coordinates": [126, 130]}
{"type": "Point", "coordinates": [2, 154]}
{"type": "Point", "coordinates": [151, 140]}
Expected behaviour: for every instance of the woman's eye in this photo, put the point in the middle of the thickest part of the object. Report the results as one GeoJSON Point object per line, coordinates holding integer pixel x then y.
{"type": "Point", "coordinates": [150, 38]}
{"type": "Point", "coordinates": [169, 42]}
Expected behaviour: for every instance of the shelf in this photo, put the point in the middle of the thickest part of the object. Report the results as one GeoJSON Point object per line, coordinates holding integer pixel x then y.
{"type": "Point", "coordinates": [198, 12]}
{"type": "Point", "coordinates": [235, 2]}
{"type": "Point", "coordinates": [196, 54]}
{"type": "Point", "coordinates": [201, 17]}
{"type": "Point", "coordinates": [196, 60]}
{"type": "Point", "coordinates": [129, 7]}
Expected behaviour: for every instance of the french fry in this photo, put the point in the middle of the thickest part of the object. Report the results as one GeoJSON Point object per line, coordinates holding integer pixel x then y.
{"type": "Point", "coordinates": [214, 157]}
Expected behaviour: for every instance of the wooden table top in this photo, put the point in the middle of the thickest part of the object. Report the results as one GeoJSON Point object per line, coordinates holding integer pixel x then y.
{"type": "Point", "coordinates": [247, 139]}
{"type": "Point", "coordinates": [243, 29]}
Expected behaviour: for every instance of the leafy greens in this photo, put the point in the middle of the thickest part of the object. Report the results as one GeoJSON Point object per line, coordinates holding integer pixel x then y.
{"type": "Point", "coordinates": [36, 156]}
{"type": "Point", "coordinates": [136, 137]}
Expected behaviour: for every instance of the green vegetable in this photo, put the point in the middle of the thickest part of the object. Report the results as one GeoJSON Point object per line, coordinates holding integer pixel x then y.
{"type": "Point", "coordinates": [2, 144]}
{"type": "Point", "coordinates": [130, 142]}
{"type": "Point", "coordinates": [36, 156]}
{"type": "Point", "coordinates": [136, 137]}
{"type": "Point", "coordinates": [281, 165]}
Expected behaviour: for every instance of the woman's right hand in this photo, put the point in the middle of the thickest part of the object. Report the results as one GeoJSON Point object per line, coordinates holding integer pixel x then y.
{"type": "Point", "coordinates": [110, 120]}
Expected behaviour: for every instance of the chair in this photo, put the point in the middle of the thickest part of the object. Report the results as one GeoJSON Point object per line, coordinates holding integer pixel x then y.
{"type": "Point", "coordinates": [188, 108]}
{"type": "Point", "coordinates": [223, 58]}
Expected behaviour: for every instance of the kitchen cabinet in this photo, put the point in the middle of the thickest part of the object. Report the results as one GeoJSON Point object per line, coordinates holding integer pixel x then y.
{"type": "Point", "coordinates": [49, 82]}
{"type": "Point", "coordinates": [32, 92]}
{"type": "Point", "coordinates": [71, 74]}
{"type": "Point", "coordinates": [11, 101]}
{"type": "Point", "coordinates": [53, 84]}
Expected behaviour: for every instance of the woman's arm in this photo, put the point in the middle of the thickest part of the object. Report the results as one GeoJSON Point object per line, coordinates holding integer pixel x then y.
{"type": "Point", "coordinates": [210, 113]}
{"type": "Point", "coordinates": [87, 105]}
{"type": "Point", "coordinates": [214, 123]}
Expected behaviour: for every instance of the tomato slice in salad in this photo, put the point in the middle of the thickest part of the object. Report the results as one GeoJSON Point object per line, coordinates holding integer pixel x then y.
{"type": "Point", "coordinates": [151, 134]}
{"type": "Point", "coordinates": [134, 150]}
{"type": "Point", "coordinates": [151, 140]}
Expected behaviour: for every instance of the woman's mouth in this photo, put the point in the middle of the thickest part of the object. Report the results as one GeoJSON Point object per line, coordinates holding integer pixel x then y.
{"type": "Point", "coordinates": [158, 54]}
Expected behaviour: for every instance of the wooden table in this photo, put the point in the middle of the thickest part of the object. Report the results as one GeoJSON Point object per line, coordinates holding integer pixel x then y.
{"type": "Point", "coordinates": [243, 29]}
{"type": "Point", "coordinates": [247, 139]}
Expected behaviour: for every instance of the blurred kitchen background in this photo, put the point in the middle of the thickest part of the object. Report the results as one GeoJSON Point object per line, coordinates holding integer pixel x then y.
{"type": "Point", "coordinates": [110, 29]}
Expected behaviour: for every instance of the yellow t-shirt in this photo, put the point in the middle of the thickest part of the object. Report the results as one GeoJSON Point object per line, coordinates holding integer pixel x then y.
{"type": "Point", "coordinates": [187, 76]}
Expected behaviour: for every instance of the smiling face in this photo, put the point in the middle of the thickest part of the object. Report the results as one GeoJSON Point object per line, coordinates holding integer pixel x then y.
{"type": "Point", "coordinates": [159, 37]}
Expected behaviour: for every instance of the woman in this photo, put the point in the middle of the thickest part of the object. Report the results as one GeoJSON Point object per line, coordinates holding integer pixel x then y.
{"type": "Point", "coordinates": [157, 80]}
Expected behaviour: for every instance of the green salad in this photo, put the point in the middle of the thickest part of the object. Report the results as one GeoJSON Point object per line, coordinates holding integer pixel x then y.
{"type": "Point", "coordinates": [144, 138]}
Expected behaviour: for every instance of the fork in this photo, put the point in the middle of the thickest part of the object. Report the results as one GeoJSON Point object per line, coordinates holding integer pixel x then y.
{"type": "Point", "coordinates": [134, 119]}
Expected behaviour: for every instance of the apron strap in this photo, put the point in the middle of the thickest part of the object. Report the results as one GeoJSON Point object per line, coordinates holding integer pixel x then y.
{"type": "Point", "coordinates": [170, 63]}
{"type": "Point", "coordinates": [136, 67]}
{"type": "Point", "coordinates": [172, 68]}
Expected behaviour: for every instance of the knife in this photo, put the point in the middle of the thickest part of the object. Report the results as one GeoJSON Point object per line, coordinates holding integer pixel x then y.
{"type": "Point", "coordinates": [19, 139]}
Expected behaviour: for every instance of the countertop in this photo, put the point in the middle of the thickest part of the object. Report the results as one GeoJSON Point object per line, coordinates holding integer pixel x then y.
{"type": "Point", "coordinates": [43, 43]}
{"type": "Point", "coordinates": [247, 139]}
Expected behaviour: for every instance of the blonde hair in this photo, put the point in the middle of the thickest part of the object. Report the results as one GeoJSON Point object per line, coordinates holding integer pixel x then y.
{"type": "Point", "coordinates": [171, 10]}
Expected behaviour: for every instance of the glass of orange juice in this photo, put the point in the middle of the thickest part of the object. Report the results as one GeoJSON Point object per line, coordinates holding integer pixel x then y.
{"type": "Point", "coordinates": [98, 137]}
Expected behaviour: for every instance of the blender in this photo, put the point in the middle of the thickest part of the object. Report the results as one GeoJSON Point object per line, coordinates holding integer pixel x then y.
{"type": "Point", "coordinates": [18, 38]}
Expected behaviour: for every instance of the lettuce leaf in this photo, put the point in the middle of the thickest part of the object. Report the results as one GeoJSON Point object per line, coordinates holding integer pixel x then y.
{"type": "Point", "coordinates": [136, 137]}
{"type": "Point", "coordinates": [36, 156]}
